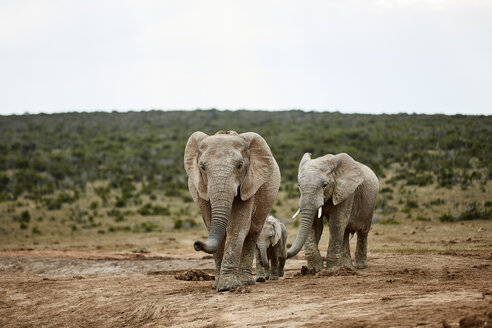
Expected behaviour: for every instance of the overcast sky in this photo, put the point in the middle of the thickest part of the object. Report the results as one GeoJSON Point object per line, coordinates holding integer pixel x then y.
{"type": "Point", "coordinates": [365, 56]}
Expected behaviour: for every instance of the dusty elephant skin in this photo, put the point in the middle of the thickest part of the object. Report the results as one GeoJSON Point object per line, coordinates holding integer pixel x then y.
{"type": "Point", "coordinates": [234, 180]}
{"type": "Point", "coordinates": [345, 192]}
{"type": "Point", "coordinates": [271, 247]}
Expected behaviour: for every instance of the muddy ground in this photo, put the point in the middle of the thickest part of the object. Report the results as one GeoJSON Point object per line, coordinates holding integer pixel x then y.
{"type": "Point", "coordinates": [76, 289]}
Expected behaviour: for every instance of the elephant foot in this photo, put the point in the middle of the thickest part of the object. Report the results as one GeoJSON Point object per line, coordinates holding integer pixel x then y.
{"type": "Point", "coordinates": [228, 282]}
{"type": "Point", "coordinates": [361, 264]}
{"type": "Point", "coordinates": [247, 279]}
{"type": "Point", "coordinates": [337, 266]}
{"type": "Point", "coordinates": [318, 267]}
{"type": "Point", "coordinates": [281, 273]}
{"type": "Point", "coordinates": [261, 279]}
{"type": "Point", "coordinates": [274, 278]}
{"type": "Point", "coordinates": [315, 262]}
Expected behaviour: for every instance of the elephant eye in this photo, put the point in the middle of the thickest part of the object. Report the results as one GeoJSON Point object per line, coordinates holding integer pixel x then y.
{"type": "Point", "coordinates": [239, 166]}
{"type": "Point", "coordinates": [203, 167]}
{"type": "Point", "coordinates": [325, 185]}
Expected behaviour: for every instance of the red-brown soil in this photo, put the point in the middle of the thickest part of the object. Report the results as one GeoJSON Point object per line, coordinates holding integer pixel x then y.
{"type": "Point", "coordinates": [66, 289]}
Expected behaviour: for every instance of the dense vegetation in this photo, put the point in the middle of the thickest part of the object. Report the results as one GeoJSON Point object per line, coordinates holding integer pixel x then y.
{"type": "Point", "coordinates": [51, 159]}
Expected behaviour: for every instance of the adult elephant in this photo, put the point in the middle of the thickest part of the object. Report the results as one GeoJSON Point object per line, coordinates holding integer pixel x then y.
{"type": "Point", "coordinates": [343, 190]}
{"type": "Point", "coordinates": [234, 180]}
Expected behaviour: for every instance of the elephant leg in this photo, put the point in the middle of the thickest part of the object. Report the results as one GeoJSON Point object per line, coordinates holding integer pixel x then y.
{"type": "Point", "coordinates": [283, 251]}
{"type": "Point", "coordinates": [262, 272]}
{"type": "Point", "coordinates": [275, 264]}
{"type": "Point", "coordinates": [339, 218]}
{"type": "Point", "coordinates": [246, 263]}
{"type": "Point", "coordinates": [281, 262]}
{"type": "Point", "coordinates": [346, 260]}
{"type": "Point", "coordinates": [237, 230]}
{"type": "Point", "coordinates": [361, 250]}
{"type": "Point", "coordinates": [218, 261]}
{"type": "Point", "coordinates": [311, 250]}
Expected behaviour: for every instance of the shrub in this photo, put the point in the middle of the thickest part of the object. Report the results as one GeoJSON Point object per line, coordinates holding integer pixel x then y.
{"type": "Point", "coordinates": [178, 224]}
{"type": "Point", "coordinates": [148, 209]}
{"type": "Point", "coordinates": [422, 218]}
{"type": "Point", "coordinates": [386, 190]}
{"type": "Point", "coordinates": [412, 204]}
{"type": "Point", "coordinates": [438, 201]}
{"type": "Point", "coordinates": [389, 221]}
{"type": "Point", "coordinates": [149, 227]}
{"type": "Point", "coordinates": [35, 231]}
{"type": "Point", "coordinates": [447, 218]}
{"type": "Point", "coordinates": [474, 212]}
{"type": "Point", "coordinates": [94, 205]}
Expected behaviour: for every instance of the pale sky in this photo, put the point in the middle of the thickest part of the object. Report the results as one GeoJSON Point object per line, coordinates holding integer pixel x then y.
{"type": "Point", "coordinates": [364, 56]}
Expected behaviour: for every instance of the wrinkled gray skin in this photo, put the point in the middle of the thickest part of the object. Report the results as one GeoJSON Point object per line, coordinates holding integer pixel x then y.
{"type": "Point", "coordinates": [346, 191]}
{"type": "Point", "coordinates": [271, 246]}
{"type": "Point", "coordinates": [234, 180]}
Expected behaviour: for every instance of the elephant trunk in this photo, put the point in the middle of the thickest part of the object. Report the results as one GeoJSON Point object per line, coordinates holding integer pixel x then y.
{"type": "Point", "coordinates": [221, 204]}
{"type": "Point", "coordinates": [307, 217]}
{"type": "Point", "coordinates": [264, 257]}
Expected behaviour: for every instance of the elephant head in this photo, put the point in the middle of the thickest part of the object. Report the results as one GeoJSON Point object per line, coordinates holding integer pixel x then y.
{"type": "Point", "coordinates": [269, 236]}
{"type": "Point", "coordinates": [331, 178]}
{"type": "Point", "coordinates": [222, 167]}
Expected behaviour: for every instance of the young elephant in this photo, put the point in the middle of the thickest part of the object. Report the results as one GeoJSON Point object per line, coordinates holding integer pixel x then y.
{"type": "Point", "coordinates": [344, 191]}
{"type": "Point", "coordinates": [271, 246]}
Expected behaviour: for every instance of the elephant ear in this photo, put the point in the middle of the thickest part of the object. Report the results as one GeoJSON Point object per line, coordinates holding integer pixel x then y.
{"type": "Point", "coordinates": [191, 164]}
{"type": "Point", "coordinates": [278, 231]}
{"type": "Point", "coordinates": [261, 164]}
{"type": "Point", "coordinates": [348, 176]}
{"type": "Point", "coordinates": [305, 158]}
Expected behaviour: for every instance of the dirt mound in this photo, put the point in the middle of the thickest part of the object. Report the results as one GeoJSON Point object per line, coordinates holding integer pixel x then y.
{"type": "Point", "coordinates": [194, 275]}
{"type": "Point", "coordinates": [305, 271]}
{"type": "Point", "coordinates": [476, 321]}
{"type": "Point", "coordinates": [339, 272]}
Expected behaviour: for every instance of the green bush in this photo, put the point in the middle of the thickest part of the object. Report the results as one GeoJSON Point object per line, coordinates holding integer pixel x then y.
{"type": "Point", "coordinates": [389, 221]}
{"type": "Point", "coordinates": [473, 211]}
{"type": "Point", "coordinates": [447, 218]}
{"type": "Point", "coordinates": [412, 204]}
{"type": "Point", "coordinates": [149, 209]}
{"type": "Point", "coordinates": [437, 201]}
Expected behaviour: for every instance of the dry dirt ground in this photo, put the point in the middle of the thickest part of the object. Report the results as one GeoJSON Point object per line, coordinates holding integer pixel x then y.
{"type": "Point", "coordinates": [77, 289]}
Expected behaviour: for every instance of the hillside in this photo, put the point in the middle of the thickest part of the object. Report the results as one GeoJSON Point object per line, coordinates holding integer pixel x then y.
{"type": "Point", "coordinates": [92, 174]}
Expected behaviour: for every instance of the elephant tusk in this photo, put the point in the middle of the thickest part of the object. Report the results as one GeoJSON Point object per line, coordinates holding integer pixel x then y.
{"type": "Point", "coordinates": [320, 209]}
{"type": "Point", "coordinates": [296, 214]}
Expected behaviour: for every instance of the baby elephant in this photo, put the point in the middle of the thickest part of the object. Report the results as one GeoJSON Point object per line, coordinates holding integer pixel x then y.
{"type": "Point", "coordinates": [271, 246]}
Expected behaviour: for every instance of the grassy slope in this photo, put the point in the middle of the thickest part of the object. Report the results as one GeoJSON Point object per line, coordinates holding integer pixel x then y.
{"type": "Point", "coordinates": [133, 145]}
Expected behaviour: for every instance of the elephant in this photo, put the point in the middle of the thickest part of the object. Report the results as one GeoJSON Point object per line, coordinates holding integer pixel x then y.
{"type": "Point", "coordinates": [271, 246]}
{"type": "Point", "coordinates": [234, 180]}
{"type": "Point", "coordinates": [344, 191]}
